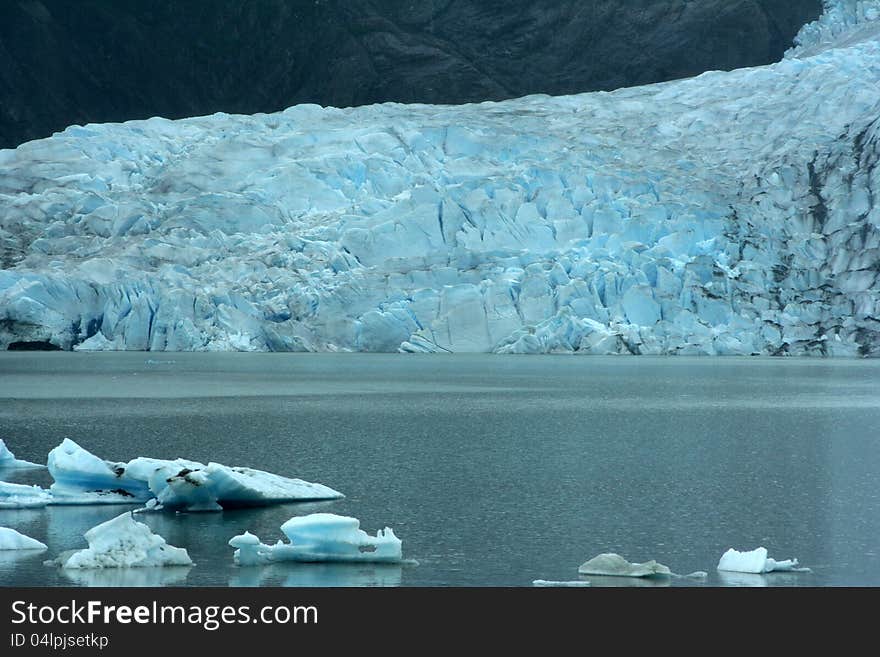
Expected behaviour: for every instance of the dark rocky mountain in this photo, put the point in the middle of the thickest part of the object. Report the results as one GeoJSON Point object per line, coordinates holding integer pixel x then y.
{"type": "Point", "coordinates": [77, 61]}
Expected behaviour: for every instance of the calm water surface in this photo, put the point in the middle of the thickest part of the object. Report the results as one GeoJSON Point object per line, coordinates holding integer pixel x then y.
{"type": "Point", "coordinates": [493, 470]}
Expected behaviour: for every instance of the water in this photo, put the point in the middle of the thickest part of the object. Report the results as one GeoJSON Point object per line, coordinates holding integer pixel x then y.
{"type": "Point", "coordinates": [494, 470]}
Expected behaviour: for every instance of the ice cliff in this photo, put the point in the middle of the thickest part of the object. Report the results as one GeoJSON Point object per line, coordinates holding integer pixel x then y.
{"type": "Point", "coordinates": [731, 213]}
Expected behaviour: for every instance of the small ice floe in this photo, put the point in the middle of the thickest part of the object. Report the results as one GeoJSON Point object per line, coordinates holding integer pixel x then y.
{"type": "Point", "coordinates": [697, 574]}
{"type": "Point", "coordinates": [21, 496]}
{"type": "Point", "coordinates": [320, 537]}
{"type": "Point", "coordinates": [123, 542]}
{"type": "Point", "coordinates": [179, 484]}
{"type": "Point", "coordinates": [756, 562]}
{"type": "Point", "coordinates": [543, 583]}
{"type": "Point", "coordinates": [13, 540]}
{"type": "Point", "coordinates": [614, 565]}
{"type": "Point", "coordinates": [8, 460]}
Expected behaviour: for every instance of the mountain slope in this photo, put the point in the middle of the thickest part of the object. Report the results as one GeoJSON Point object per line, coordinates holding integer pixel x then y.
{"type": "Point", "coordinates": [87, 61]}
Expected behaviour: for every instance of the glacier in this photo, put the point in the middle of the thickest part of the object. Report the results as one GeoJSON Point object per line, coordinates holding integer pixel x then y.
{"type": "Point", "coordinates": [320, 537]}
{"type": "Point", "coordinates": [728, 214]}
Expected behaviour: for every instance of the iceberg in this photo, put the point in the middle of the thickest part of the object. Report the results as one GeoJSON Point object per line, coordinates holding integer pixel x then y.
{"type": "Point", "coordinates": [320, 537]}
{"type": "Point", "coordinates": [13, 540]}
{"type": "Point", "coordinates": [21, 496]}
{"type": "Point", "coordinates": [179, 484]}
{"type": "Point", "coordinates": [8, 460]}
{"type": "Point", "coordinates": [614, 565]}
{"type": "Point", "coordinates": [218, 486]}
{"type": "Point", "coordinates": [83, 478]}
{"type": "Point", "coordinates": [756, 562]}
{"type": "Point", "coordinates": [124, 542]}
{"type": "Point", "coordinates": [727, 214]}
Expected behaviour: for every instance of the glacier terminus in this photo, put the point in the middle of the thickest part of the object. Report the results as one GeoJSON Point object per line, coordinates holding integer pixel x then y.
{"type": "Point", "coordinates": [728, 214]}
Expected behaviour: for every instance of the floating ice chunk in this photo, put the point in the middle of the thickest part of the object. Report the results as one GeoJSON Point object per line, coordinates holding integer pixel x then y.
{"type": "Point", "coordinates": [180, 484]}
{"type": "Point", "coordinates": [329, 536]}
{"type": "Point", "coordinates": [756, 562]}
{"type": "Point", "coordinates": [247, 549]}
{"type": "Point", "coordinates": [218, 486]}
{"type": "Point", "coordinates": [543, 583]}
{"type": "Point", "coordinates": [614, 565]}
{"type": "Point", "coordinates": [77, 471]}
{"type": "Point", "coordinates": [99, 343]}
{"type": "Point", "coordinates": [156, 472]}
{"type": "Point", "coordinates": [20, 496]}
{"type": "Point", "coordinates": [320, 537]}
{"type": "Point", "coordinates": [13, 540]}
{"type": "Point", "coordinates": [697, 574]}
{"type": "Point", "coordinates": [8, 460]}
{"type": "Point", "coordinates": [124, 543]}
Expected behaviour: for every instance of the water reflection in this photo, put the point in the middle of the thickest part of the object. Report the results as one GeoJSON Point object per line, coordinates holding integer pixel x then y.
{"type": "Point", "coordinates": [65, 525]}
{"type": "Point", "coordinates": [133, 577]}
{"type": "Point", "coordinates": [328, 575]}
{"type": "Point", "coordinates": [629, 582]}
{"type": "Point", "coordinates": [10, 559]}
{"type": "Point", "coordinates": [760, 581]}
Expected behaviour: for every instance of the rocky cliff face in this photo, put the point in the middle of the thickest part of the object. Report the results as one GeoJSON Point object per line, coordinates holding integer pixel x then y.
{"type": "Point", "coordinates": [70, 62]}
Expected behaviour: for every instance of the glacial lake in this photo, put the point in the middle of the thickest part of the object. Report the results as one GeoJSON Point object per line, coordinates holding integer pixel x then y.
{"type": "Point", "coordinates": [494, 470]}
